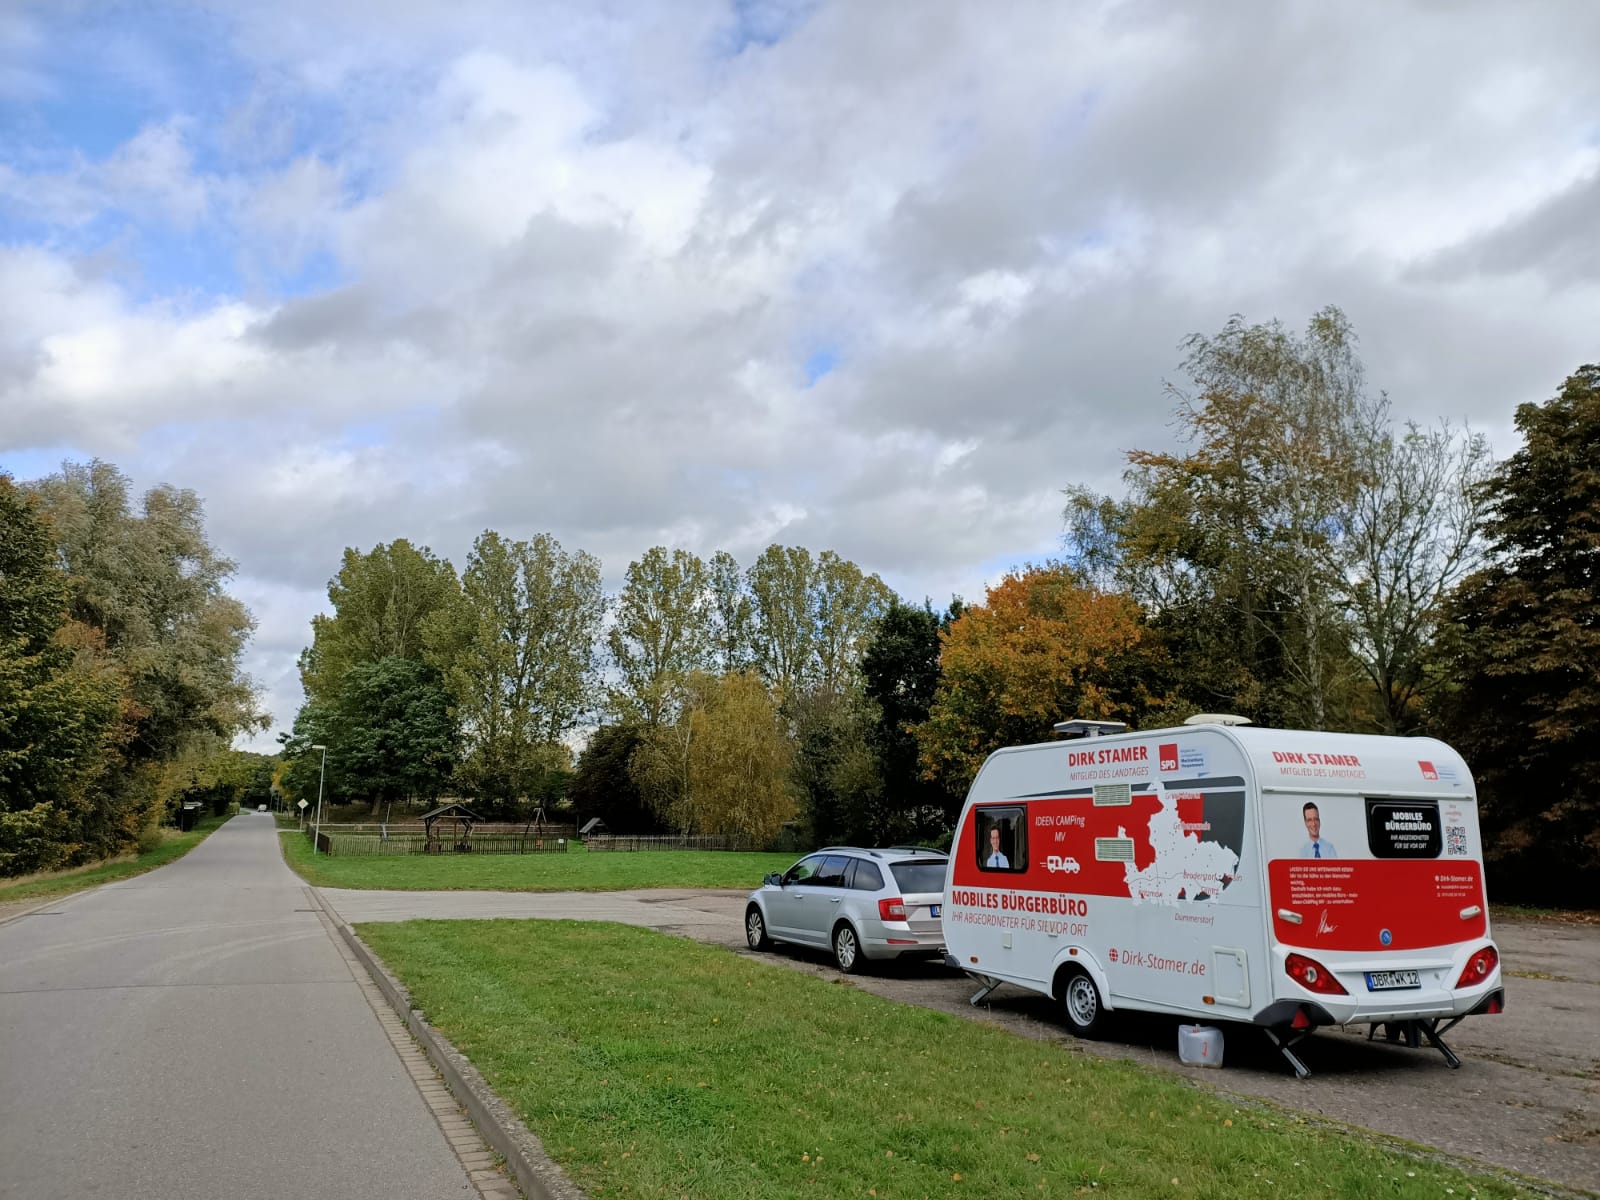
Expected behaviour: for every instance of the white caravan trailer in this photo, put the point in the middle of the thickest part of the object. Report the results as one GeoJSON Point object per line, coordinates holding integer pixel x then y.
{"type": "Point", "coordinates": [1217, 872]}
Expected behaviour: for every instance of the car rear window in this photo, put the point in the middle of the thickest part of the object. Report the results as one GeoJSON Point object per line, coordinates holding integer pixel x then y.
{"type": "Point", "coordinates": [919, 875]}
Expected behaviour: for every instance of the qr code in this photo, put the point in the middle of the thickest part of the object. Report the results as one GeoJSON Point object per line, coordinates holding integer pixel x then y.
{"type": "Point", "coordinates": [1455, 839]}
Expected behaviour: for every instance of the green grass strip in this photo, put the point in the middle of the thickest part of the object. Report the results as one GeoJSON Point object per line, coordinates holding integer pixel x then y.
{"type": "Point", "coordinates": [60, 883]}
{"type": "Point", "coordinates": [652, 1066]}
{"type": "Point", "coordinates": [574, 871]}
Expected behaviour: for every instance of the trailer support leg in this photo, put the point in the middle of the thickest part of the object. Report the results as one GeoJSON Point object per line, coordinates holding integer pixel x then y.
{"type": "Point", "coordinates": [1284, 1046]}
{"type": "Point", "coordinates": [1431, 1031]}
{"type": "Point", "coordinates": [985, 991]}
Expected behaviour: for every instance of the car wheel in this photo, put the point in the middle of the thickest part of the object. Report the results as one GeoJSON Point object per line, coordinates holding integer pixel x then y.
{"type": "Point", "coordinates": [1081, 1005]}
{"type": "Point", "coordinates": [847, 950]}
{"type": "Point", "coordinates": [755, 929]}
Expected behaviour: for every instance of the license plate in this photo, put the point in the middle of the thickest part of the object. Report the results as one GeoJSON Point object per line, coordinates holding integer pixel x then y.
{"type": "Point", "coordinates": [934, 909]}
{"type": "Point", "coordinates": [1379, 981]}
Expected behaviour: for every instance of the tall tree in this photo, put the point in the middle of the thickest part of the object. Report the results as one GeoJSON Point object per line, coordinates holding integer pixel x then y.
{"type": "Point", "coordinates": [811, 618]}
{"type": "Point", "coordinates": [1044, 646]}
{"type": "Point", "coordinates": [731, 616]}
{"type": "Point", "coordinates": [603, 785]}
{"type": "Point", "coordinates": [1526, 634]}
{"type": "Point", "coordinates": [661, 632]}
{"type": "Point", "coordinates": [520, 655]}
{"type": "Point", "coordinates": [58, 705]}
{"type": "Point", "coordinates": [153, 587]}
{"type": "Point", "coordinates": [382, 601]}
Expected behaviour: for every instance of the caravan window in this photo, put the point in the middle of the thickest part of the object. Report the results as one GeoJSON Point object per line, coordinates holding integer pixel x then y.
{"type": "Point", "coordinates": [1002, 843]}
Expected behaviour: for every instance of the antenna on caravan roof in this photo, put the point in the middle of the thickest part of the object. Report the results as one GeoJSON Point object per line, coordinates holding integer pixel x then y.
{"type": "Point", "coordinates": [1081, 728]}
{"type": "Point", "coordinates": [1217, 719]}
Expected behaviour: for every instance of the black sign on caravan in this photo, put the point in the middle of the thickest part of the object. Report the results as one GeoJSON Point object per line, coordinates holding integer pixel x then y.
{"type": "Point", "coordinates": [1403, 828]}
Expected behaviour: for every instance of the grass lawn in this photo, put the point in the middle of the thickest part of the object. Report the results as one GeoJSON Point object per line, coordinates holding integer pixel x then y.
{"type": "Point", "coordinates": [652, 1066]}
{"type": "Point", "coordinates": [575, 871]}
{"type": "Point", "coordinates": [59, 883]}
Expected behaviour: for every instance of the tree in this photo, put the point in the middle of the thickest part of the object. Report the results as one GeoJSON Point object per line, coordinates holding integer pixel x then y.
{"type": "Point", "coordinates": [725, 765]}
{"type": "Point", "coordinates": [811, 617]}
{"type": "Point", "coordinates": [58, 704]}
{"type": "Point", "coordinates": [1044, 647]}
{"type": "Point", "coordinates": [382, 602]}
{"type": "Point", "coordinates": [604, 787]}
{"type": "Point", "coordinates": [519, 655]}
{"type": "Point", "coordinates": [662, 632]}
{"type": "Point", "coordinates": [1525, 709]}
{"type": "Point", "coordinates": [152, 586]}
{"type": "Point", "coordinates": [900, 674]}
{"type": "Point", "coordinates": [731, 636]}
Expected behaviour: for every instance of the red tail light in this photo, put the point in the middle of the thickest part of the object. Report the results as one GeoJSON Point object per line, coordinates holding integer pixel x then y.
{"type": "Point", "coordinates": [1313, 976]}
{"type": "Point", "coordinates": [892, 910]}
{"type": "Point", "coordinates": [1479, 967]}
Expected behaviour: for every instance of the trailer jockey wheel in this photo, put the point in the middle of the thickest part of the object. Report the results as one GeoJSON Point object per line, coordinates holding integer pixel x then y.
{"type": "Point", "coordinates": [1081, 1005]}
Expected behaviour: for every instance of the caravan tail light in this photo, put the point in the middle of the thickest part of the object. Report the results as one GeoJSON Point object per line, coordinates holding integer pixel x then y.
{"type": "Point", "coordinates": [1479, 967]}
{"type": "Point", "coordinates": [1313, 976]}
{"type": "Point", "coordinates": [893, 909]}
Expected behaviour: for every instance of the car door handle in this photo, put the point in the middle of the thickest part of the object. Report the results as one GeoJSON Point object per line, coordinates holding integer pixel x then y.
{"type": "Point", "coordinates": [836, 899]}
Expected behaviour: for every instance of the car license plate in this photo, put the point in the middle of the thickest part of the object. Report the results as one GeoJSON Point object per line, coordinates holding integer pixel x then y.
{"type": "Point", "coordinates": [934, 910]}
{"type": "Point", "coordinates": [1380, 981]}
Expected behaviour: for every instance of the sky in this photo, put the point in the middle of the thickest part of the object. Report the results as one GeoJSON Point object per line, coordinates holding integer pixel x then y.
{"type": "Point", "coordinates": [877, 278]}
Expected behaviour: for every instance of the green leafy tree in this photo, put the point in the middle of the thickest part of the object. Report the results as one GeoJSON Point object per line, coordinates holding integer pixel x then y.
{"type": "Point", "coordinates": [1525, 709]}
{"type": "Point", "coordinates": [603, 785]}
{"type": "Point", "coordinates": [732, 647]}
{"type": "Point", "coordinates": [520, 657]}
{"type": "Point", "coordinates": [661, 633]}
{"type": "Point", "coordinates": [811, 617]}
{"type": "Point", "coordinates": [382, 602]}
{"type": "Point", "coordinates": [58, 705]}
{"type": "Point", "coordinates": [152, 586]}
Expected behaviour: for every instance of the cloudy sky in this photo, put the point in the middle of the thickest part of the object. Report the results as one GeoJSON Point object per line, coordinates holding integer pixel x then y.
{"type": "Point", "coordinates": [875, 277]}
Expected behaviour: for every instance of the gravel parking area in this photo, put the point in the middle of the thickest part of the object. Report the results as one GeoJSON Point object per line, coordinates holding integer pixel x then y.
{"type": "Point", "coordinates": [1527, 1098]}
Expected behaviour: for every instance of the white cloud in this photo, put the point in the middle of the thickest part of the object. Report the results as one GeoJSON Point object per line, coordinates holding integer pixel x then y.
{"type": "Point", "coordinates": [567, 273]}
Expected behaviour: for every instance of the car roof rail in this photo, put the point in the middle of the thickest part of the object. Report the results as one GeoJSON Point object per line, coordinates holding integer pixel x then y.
{"type": "Point", "coordinates": [923, 850]}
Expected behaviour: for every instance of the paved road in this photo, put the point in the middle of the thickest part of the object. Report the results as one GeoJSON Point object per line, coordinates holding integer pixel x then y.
{"type": "Point", "coordinates": [1528, 1097]}
{"type": "Point", "coordinates": [194, 1033]}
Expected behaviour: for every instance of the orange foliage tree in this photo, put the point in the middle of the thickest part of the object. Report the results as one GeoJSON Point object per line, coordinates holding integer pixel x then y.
{"type": "Point", "coordinates": [1046, 646]}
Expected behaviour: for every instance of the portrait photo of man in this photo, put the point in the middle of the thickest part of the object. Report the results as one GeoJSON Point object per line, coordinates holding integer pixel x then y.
{"type": "Point", "coordinates": [996, 858]}
{"type": "Point", "coordinates": [1318, 846]}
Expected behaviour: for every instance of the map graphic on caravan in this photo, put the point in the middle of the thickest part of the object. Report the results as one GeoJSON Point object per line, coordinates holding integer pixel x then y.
{"type": "Point", "coordinates": [1287, 879]}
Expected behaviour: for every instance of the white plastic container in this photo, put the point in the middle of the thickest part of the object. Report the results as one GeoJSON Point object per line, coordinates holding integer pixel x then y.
{"type": "Point", "coordinates": [1200, 1045]}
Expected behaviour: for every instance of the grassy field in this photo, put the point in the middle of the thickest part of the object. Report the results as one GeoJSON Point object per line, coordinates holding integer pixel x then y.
{"type": "Point", "coordinates": [59, 883]}
{"type": "Point", "coordinates": [575, 871]}
{"type": "Point", "coordinates": [652, 1066]}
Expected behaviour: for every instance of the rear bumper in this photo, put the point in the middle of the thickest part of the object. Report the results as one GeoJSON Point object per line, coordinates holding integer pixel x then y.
{"type": "Point", "coordinates": [1329, 1012]}
{"type": "Point", "coordinates": [886, 941]}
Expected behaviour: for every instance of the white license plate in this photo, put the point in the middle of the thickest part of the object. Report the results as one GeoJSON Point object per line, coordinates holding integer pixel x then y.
{"type": "Point", "coordinates": [934, 910]}
{"type": "Point", "coordinates": [1381, 981]}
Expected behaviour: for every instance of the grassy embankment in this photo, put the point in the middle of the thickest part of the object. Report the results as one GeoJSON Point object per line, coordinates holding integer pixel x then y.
{"type": "Point", "coordinates": [574, 871]}
{"type": "Point", "coordinates": [174, 846]}
{"type": "Point", "coordinates": [652, 1066]}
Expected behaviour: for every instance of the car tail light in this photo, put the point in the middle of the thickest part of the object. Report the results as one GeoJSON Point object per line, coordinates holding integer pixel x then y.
{"type": "Point", "coordinates": [1479, 967]}
{"type": "Point", "coordinates": [1313, 976]}
{"type": "Point", "coordinates": [893, 909]}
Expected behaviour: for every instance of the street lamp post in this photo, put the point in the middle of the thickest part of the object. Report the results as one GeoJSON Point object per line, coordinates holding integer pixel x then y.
{"type": "Point", "coordinates": [321, 775]}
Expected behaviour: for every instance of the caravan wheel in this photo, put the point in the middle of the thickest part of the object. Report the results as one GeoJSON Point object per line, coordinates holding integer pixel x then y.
{"type": "Point", "coordinates": [1081, 1005]}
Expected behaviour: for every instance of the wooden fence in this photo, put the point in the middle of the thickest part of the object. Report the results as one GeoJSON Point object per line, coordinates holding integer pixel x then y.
{"type": "Point", "coordinates": [411, 838]}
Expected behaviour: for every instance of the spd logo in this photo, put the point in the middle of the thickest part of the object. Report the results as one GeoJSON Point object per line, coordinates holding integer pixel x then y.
{"type": "Point", "coordinates": [1169, 756]}
{"type": "Point", "coordinates": [1428, 771]}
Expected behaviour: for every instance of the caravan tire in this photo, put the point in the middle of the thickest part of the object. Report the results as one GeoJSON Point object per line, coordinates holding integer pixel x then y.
{"type": "Point", "coordinates": [1081, 1006]}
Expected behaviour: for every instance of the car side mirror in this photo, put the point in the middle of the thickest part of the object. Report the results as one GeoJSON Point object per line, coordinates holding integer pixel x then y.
{"type": "Point", "coordinates": [774, 879]}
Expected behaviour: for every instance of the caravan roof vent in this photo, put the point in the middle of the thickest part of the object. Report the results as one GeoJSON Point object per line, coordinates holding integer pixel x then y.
{"type": "Point", "coordinates": [1217, 719]}
{"type": "Point", "coordinates": [1078, 728]}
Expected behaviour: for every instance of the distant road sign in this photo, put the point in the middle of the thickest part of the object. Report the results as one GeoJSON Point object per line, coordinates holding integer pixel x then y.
{"type": "Point", "coordinates": [305, 804]}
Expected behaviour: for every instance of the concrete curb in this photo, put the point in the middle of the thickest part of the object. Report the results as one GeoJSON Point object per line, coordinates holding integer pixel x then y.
{"type": "Point", "coordinates": [528, 1164]}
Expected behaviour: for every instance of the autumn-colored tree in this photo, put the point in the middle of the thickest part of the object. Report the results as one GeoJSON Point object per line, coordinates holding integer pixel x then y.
{"type": "Point", "coordinates": [1525, 708]}
{"type": "Point", "coordinates": [725, 766]}
{"type": "Point", "coordinates": [1044, 646]}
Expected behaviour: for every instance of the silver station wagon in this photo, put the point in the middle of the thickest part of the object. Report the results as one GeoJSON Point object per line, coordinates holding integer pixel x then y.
{"type": "Point", "coordinates": [861, 904]}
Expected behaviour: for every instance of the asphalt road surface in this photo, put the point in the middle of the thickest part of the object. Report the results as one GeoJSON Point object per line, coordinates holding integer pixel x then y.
{"type": "Point", "coordinates": [194, 1033]}
{"type": "Point", "coordinates": [1527, 1098]}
